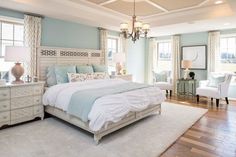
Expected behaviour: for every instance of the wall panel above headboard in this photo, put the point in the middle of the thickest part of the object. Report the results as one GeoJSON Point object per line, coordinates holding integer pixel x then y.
{"type": "Point", "coordinates": [47, 56]}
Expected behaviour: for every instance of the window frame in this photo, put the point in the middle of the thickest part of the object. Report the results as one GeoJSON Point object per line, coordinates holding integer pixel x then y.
{"type": "Point", "coordinates": [157, 49]}
{"type": "Point", "coordinates": [10, 20]}
{"type": "Point", "coordinates": [233, 35]}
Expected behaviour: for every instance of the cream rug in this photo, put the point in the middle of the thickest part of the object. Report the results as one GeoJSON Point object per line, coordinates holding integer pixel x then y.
{"type": "Point", "coordinates": [53, 138]}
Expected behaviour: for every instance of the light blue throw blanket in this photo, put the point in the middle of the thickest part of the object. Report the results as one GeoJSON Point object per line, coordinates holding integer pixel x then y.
{"type": "Point", "coordinates": [82, 101]}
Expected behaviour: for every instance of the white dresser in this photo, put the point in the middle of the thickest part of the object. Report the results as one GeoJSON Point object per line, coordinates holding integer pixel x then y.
{"type": "Point", "coordinates": [20, 102]}
{"type": "Point", "coordinates": [127, 77]}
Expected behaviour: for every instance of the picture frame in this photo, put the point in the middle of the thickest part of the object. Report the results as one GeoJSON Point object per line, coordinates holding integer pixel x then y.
{"type": "Point", "coordinates": [197, 54]}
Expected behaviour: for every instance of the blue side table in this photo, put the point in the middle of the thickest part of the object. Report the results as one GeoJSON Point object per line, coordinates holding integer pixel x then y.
{"type": "Point", "coordinates": [186, 87]}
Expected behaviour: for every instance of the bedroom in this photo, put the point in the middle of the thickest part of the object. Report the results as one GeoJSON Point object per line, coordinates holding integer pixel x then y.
{"type": "Point", "coordinates": [79, 35]}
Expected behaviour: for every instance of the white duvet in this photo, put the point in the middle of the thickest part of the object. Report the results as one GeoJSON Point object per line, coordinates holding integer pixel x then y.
{"type": "Point", "coordinates": [110, 108]}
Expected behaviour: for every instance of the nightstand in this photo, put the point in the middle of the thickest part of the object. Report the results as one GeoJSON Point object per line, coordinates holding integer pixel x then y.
{"type": "Point", "coordinates": [127, 77]}
{"type": "Point", "coordinates": [186, 87]}
{"type": "Point", "coordinates": [20, 102]}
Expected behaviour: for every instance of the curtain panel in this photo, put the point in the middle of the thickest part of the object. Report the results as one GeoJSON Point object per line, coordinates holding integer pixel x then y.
{"type": "Point", "coordinates": [32, 38]}
{"type": "Point", "coordinates": [175, 44]}
{"type": "Point", "coordinates": [213, 52]}
{"type": "Point", "coordinates": [123, 48]}
{"type": "Point", "coordinates": [151, 60]}
{"type": "Point", "coordinates": [103, 44]}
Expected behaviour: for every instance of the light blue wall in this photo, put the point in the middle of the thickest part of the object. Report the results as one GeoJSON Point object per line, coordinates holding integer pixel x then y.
{"type": "Point", "coordinates": [61, 33]}
{"type": "Point", "coordinates": [10, 13]}
{"type": "Point", "coordinates": [136, 59]}
{"type": "Point", "coordinates": [195, 39]}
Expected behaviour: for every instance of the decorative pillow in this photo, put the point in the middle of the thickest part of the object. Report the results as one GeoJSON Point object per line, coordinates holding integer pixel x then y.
{"type": "Point", "coordinates": [79, 77]}
{"type": "Point", "coordinates": [76, 77]}
{"type": "Point", "coordinates": [85, 69]}
{"type": "Point", "coordinates": [51, 76]}
{"type": "Point", "coordinates": [161, 77]}
{"type": "Point", "coordinates": [61, 73]}
{"type": "Point", "coordinates": [215, 80]}
{"type": "Point", "coordinates": [99, 68]}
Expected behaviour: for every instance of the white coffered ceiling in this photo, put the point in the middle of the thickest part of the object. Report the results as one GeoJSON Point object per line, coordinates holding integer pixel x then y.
{"type": "Point", "coordinates": [166, 17]}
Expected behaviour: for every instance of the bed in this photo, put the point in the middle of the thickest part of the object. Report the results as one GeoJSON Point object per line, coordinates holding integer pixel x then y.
{"type": "Point", "coordinates": [108, 113]}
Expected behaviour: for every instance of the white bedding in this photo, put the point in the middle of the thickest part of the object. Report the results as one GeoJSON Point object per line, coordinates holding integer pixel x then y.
{"type": "Point", "coordinates": [110, 108]}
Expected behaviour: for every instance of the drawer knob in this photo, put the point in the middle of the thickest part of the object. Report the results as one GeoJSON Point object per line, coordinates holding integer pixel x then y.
{"type": "Point", "coordinates": [5, 117]}
{"type": "Point", "coordinates": [37, 100]}
{"type": "Point", "coordinates": [4, 106]}
{"type": "Point", "coordinates": [4, 94]}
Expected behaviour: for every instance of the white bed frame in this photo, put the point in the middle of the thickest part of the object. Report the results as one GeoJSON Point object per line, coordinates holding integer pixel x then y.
{"type": "Point", "coordinates": [67, 56]}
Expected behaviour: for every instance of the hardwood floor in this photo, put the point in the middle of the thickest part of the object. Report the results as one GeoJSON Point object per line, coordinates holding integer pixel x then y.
{"type": "Point", "coordinates": [214, 135]}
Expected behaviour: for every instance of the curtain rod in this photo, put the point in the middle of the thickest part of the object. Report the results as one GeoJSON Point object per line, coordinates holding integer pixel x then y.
{"type": "Point", "coordinates": [32, 14]}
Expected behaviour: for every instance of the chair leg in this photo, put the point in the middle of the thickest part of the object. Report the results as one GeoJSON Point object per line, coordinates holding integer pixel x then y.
{"type": "Point", "coordinates": [166, 91]}
{"type": "Point", "coordinates": [197, 98]}
{"type": "Point", "coordinates": [170, 93]}
{"type": "Point", "coordinates": [226, 99]}
{"type": "Point", "coordinates": [217, 102]}
{"type": "Point", "coordinates": [211, 99]}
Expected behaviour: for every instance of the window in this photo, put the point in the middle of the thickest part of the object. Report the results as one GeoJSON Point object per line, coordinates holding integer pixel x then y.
{"type": "Point", "coordinates": [113, 47]}
{"type": "Point", "coordinates": [11, 34]}
{"type": "Point", "coordinates": [226, 60]}
{"type": "Point", "coordinates": [164, 56]}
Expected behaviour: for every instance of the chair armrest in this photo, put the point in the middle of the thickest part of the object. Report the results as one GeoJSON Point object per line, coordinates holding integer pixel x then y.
{"type": "Point", "coordinates": [203, 83]}
{"type": "Point", "coordinates": [169, 80]}
{"type": "Point", "coordinates": [223, 89]}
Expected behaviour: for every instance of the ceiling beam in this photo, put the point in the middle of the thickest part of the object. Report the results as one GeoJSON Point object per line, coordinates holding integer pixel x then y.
{"type": "Point", "coordinates": [107, 2]}
{"type": "Point", "coordinates": [202, 3]}
{"type": "Point", "coordinates": [157, 6]}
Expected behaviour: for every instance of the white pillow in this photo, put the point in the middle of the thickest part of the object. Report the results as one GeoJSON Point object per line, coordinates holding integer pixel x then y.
{"type": "Point", "coordinates": [79, 77]}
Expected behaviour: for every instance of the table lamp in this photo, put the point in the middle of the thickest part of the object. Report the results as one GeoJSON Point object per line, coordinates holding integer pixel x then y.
{"type": "Point", "coordinates": [186, 64]}
{"type": "Point", "coordinates": [17, 54]}
{"type": "Point", "coordinates": [119, 58]}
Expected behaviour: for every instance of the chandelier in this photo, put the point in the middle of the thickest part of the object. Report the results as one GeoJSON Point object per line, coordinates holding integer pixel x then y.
{"type": "Point", "coordinates": [138, 28]}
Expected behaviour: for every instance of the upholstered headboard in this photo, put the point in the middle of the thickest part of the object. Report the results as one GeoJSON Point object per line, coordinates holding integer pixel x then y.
{"type": "Point", "coordinates": [48, 56]}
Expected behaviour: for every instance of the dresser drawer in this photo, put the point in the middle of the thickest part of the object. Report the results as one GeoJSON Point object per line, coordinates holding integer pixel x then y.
{"type": "Point", "coordinates": [38, 90]}
{"type": "Point", "coordinates": [37, 100]}
{"type": "Point", "coordinates": [22, 102]}
{"type": "Point", "coordinates": [38, 109]}
{"type": "Point", "coordinates": [4, 93]}
{"type": "Point", "coordinates": [4, 116]}
{"type": "Point", "coordinates": [22, 113]}
{"type": "Point", "coordinates": [4, 105]}
{"type": "Point", "coordinates": [22, 91]}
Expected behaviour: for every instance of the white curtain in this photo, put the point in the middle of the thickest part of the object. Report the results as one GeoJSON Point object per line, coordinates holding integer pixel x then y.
{"type": "Point", "coordinates": [213, 50]}
{"type": "Point", "coordinates": [151, 60]}
{"type": "Point", "coordinates": [103, 44]}
{"type": "Point", "coordinates": [32, 36]}
{"type": "Point", "coordinates": [123, 48]}
{"type": "Point", "coordinates": [175, 43]}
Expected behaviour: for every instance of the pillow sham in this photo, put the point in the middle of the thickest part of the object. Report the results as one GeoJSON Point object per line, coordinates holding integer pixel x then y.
{"type": "Point", "coordinates": [85, 69]}
{"type": "Point", "coordinates": [61, 73]}
{"type": "Point", "coordinates": [51, 76]}
{"type": "Point", "coordinates": [99, 68]}
{"type": "Point", "coordinates": [161, 77]}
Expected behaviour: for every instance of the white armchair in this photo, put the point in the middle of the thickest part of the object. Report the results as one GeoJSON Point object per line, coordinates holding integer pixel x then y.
{"type": "Point", "coordinates": [221, 91]}
{"type": "Point", "coordinates": [166, 85]}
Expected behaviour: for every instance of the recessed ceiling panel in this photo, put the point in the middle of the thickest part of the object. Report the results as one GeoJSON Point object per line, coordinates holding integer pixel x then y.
{"type": "Point", "coordinates": [126, 7]}
{"type": "Point", "coordinates": [177, 4]}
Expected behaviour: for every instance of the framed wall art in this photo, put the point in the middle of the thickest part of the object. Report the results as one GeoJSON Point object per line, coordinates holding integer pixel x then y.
{"type": "Point", "coordinates": [197, 54]}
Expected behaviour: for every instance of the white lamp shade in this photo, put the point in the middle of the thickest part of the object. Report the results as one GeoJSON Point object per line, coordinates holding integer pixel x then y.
{"type": "Point", "coordinates": [138, 24]}
{"type": "Point", "coordinates": [186, 64]}
{"type": "Point", "coordinates": [17, 54]}
{"type": "Point", "coordinates": [119, 57]}
{"type": "Point", "coordinates": [146, 26]}
{"type": "Point", "coordinates": [124, 26]}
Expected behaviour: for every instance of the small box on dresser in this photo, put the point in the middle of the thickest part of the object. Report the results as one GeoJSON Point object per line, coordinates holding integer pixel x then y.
{"type": "Point", "coordinates": [127, 77]}
{"type": "Point", "coordinates": [20, 102]}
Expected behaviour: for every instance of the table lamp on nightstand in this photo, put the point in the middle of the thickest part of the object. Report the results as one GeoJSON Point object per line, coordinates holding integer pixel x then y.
{"type": "Point", "coordinates": [17, 54]}
{"type": "Point", "coordinates": [119, 59]}
{"type": "Point", "coordinates": [186, 64]}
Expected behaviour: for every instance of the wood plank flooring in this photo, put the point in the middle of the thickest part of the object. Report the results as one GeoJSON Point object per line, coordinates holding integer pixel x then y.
{"type": "Point", "coordinates": [214, 135]}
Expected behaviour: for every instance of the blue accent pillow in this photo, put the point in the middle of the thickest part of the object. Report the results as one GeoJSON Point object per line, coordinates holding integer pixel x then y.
{"type": "Point", "coordinates": [61, 73]}
{"type": "Point", "coordinates": [99, 68]}
{"type": "Point", "coordinates": [51, 76]}
{"type": "Point", "coordinates": [84, 69]}
{"type": "Point", "coordinates": [161, 77]}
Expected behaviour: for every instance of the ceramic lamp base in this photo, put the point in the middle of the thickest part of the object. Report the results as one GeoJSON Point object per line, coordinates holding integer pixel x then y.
{"type": "Point", "coordinates": [118, 68]}
{"type": "Point", "coordinates": [17, 71]}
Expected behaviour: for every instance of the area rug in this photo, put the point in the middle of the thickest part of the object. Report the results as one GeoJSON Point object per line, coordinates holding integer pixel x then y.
{"type": "Point", "coordinates": [54, 138]}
